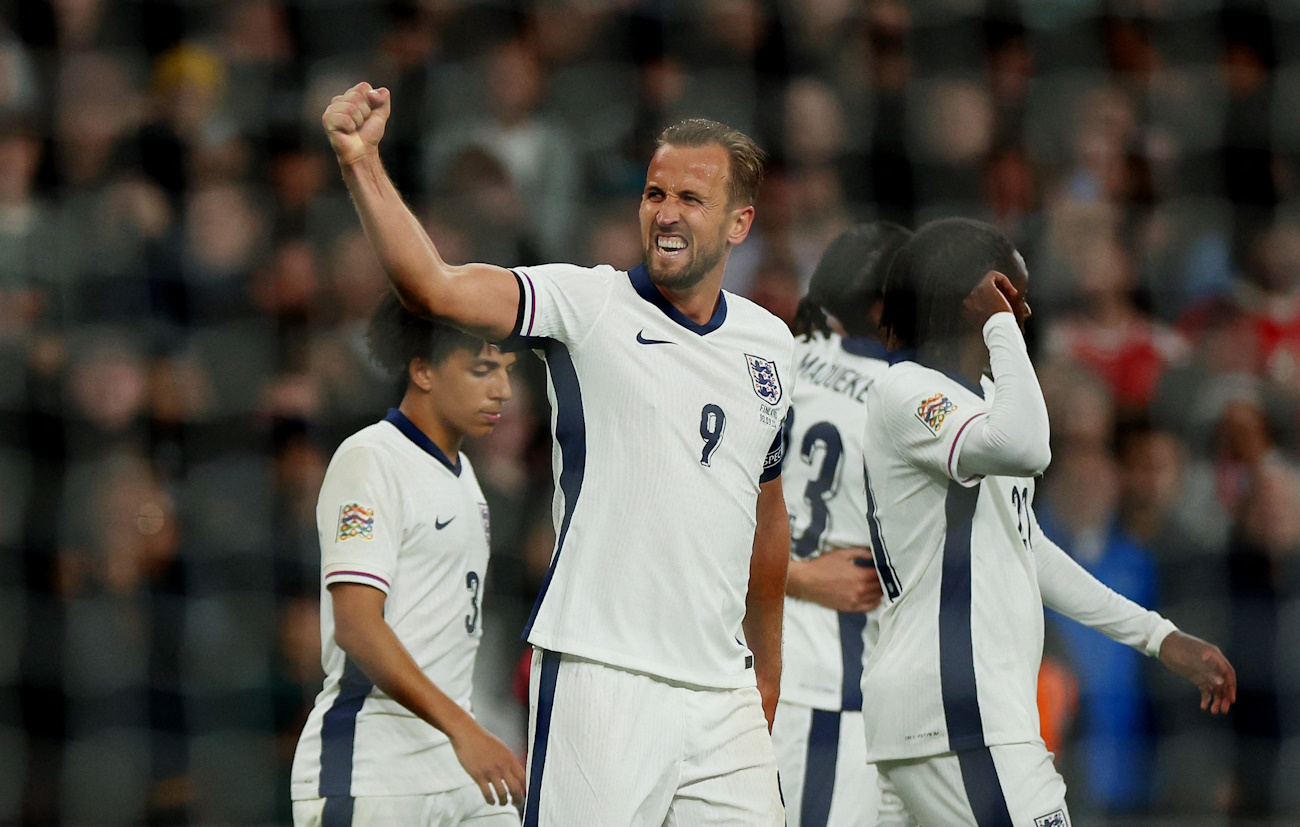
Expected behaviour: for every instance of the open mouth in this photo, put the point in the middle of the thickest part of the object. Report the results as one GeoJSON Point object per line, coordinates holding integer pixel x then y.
{"type": "Point", "coordinates": [669, 245]}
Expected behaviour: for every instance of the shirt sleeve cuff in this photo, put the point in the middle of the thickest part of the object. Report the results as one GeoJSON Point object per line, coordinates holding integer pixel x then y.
{"type": "Point", "coordinates": [1163, 630]}
{"type": "Point", "coordinates": [351, 573]}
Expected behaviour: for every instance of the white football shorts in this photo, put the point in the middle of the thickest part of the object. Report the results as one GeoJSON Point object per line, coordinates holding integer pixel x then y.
{"type": "Point", "coordinates": [1012, 785]}
{"type": "Point", "coordinates": [461, 806]}
{"type": "Point", "coordinates": [612, 747]}
{"type": "Point", "coordinates": [825, 777]}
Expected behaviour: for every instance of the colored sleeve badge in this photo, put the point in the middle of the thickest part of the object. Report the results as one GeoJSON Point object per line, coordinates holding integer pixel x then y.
{"type": "Point", "coordinates": [356, 522]}
{"type": "Point", "coordinates": [934, 411]}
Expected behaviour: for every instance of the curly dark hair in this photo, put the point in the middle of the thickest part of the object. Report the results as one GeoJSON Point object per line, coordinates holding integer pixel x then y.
{"type": "Point", "coordinates": [931, 276]}
{"type": "Point", "coordinates": [396, 336]}
{"type": "Point", "coordinates": [850, 279]}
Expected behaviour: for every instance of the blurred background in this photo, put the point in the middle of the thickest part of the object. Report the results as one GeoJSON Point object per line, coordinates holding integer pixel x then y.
{"type": "Point", "coordinates": [183, 288]}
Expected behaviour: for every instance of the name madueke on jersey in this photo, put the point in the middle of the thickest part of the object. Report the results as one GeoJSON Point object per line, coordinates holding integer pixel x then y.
{"type": "Point", "coordinates": [836, 377]}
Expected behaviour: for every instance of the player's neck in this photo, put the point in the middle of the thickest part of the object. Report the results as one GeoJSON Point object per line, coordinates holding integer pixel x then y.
{"type": "Point", "coordinates": [699, 301]}
{"type": "Point", "coordinates": [418, 409]}
{"type": "Point", "coordinates": [967, 359]}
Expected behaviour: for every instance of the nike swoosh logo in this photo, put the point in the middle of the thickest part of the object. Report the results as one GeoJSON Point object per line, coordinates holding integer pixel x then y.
{"type": "Point", "coordinates": [640, 337]}
{"type": "Point", "coordinates": [439, 525]}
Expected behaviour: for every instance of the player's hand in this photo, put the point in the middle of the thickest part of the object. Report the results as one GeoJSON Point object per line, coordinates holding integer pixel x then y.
{"type": "Point", "coordinates": [355, 120]}
{"type": "Point", "coordinates": [1204, 665]}
{"type": "Point", "coordinates": [992, 295]}
{"type": "Point", "coordinates": [496, 770]}
{"type": "Point", "coordinates": [844, 580]}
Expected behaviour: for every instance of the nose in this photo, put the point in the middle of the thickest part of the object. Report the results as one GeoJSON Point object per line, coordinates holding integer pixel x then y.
{"type": "Point", "coordinates": [501, 389]}
{"type": "Point", "coordinates": [669, 212]}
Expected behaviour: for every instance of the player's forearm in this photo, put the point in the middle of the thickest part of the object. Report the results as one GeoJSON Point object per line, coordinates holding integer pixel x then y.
{"type": "Point", "coordinates": [377, 651]}
{"type": "Point", "coordinates": [765, 600]}
{"type": "Point", "coordinates": [1068, 588]}
{"type": "Point", "coordinates": [1013, 439]}
{"type": "Point", "coordinates": [414, 267]}
{"type": "Point", "coordinates": [762, 626]}
{"type": "Point", "coordinates": [799, 580]}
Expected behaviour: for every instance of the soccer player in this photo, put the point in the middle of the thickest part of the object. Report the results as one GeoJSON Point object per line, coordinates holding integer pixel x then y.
{"type": "Point", "coordinates": [657, 633]}
{"type": "Point", "coordinates": [820, 745]}
{"type": "Point", "coordinates": [404, 548]}
{"type": "Point", "coordinates": [951, 458]}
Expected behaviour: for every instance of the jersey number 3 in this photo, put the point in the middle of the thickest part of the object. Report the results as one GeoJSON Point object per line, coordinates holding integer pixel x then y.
{"type": "Point", "coordinates": [821, 487]}
{"type": "Point", "coordinates": [472, 584]}
{"type": "Point", "coordinates": [712, 423]}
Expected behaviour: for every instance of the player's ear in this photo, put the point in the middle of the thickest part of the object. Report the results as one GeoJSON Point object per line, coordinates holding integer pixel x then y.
{"type": "Point", "coordinates": [741, 220]}
{"type": "Point", "coordinates": [421, 374]}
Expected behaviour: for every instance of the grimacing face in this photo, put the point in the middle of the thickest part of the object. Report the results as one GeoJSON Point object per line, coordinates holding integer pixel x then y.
{"type": "Point", "coordinates": [686, 217]}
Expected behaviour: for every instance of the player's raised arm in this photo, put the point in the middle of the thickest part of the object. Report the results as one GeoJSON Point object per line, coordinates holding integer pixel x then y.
{"type": "Point", "coordinates": [480, 298]}
{"type": "Point", "coordinates": [1013, 439]}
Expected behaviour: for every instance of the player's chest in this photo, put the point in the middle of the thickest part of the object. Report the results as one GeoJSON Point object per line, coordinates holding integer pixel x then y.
{"type": "Point", "coordinates": [445, 525]}
{"type": "Point", "coordinates": [655, 367]}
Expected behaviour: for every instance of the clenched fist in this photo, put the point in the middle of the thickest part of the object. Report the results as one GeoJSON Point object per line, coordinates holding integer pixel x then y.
{"type": "Point", "coordinates": [354, 122]}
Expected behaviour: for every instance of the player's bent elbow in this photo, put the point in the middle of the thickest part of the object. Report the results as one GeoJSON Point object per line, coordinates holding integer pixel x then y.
{"type": "Point", "coordinates": [1034, 458]}
{"type": "Point", "coordinates": [1024, 458]}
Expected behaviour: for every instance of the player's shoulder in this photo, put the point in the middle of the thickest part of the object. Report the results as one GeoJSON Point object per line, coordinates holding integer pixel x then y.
{"type": "Point", "coordinates": [906, 380]}
{"type": "Point", "coordinates": [374, 437]}
{"type": "Point", "coordinates": [751, 318]}
{"type": "Point", "coordinates": [574, 272]}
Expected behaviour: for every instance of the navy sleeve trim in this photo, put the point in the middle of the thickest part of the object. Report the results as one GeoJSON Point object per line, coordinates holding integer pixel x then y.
{"type": "Point", "coordinates": [772, 462]}
{"type": "Point", "coordinates": [516, 341]}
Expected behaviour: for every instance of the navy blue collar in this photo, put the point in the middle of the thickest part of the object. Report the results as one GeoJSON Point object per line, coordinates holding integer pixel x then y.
{"type": "Point", "coordinates": [974, 388]}
{"type": "Point", "coordinates": [865, 346]}
{"type": "Point", "coordinates": [407, 427]}
{"type": "Point", "coordinates": [640, 278]}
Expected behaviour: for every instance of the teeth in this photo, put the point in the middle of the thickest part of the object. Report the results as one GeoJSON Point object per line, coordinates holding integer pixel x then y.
{"type": "Point", "coordinates": [672, 244]}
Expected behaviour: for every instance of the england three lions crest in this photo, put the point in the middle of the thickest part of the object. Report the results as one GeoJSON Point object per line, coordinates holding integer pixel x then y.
{"type": "Point", "coordinates": [767, 384]}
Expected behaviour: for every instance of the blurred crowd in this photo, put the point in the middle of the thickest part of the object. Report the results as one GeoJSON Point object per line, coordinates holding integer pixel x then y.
{"type": "Point", "coordinates": [183, 289]}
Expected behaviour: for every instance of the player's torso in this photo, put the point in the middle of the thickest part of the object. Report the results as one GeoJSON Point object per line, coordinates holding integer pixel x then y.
{"type": "Point", "coordinates": [962, 622]}
{"type": "Point", "coordinates": [676, 422]}
{"type": "Point", "coordinates": [823, 483]}
{"type": "Point", "coordinates": [434, 606]}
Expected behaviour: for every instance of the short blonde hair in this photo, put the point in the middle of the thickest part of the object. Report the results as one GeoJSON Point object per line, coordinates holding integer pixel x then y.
{"type": "Point", "coordinates": [745, 156]}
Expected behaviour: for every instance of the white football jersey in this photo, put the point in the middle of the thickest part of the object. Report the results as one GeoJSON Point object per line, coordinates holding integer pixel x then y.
{"type": "Point", "coordinates": [395, 513]}
{"type": "Point", "coordinates": [822, 479]}
{"type": "Point", "coordinates": [663, 429]}
{"type": "Point", "coordinates": [961, 629]}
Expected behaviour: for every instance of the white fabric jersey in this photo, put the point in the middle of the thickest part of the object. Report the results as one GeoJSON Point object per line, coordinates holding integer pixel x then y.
{"type": "Point", "coordinates": [663, 429]}
{"type": "Point", "coordinates": [822, 479]}
{"type": "Point", "coordinates": [396, 514]}
{"type": "Point", "coordinates": [961, 629]}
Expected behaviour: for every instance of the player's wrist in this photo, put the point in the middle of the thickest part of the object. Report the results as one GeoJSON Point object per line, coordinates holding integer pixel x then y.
{"type": "Point", "coordinates": [358, 160]}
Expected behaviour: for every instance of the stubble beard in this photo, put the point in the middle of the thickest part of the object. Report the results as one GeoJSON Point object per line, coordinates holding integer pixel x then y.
{"type": "Point", "coordinates": [702, 261]}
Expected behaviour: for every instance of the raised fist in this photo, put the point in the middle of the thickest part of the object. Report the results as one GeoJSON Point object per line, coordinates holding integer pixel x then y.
{"type": "Point", "coordinates": [354, 121]}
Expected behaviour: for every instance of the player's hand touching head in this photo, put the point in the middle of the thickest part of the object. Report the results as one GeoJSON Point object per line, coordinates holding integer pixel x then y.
{"type": "Point", "coordinates": [355, 120]}
{"type": "Point", "coordinates": [991, 296]}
